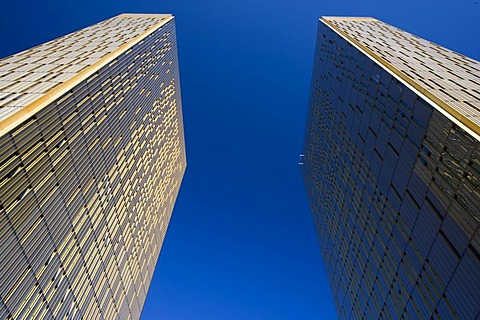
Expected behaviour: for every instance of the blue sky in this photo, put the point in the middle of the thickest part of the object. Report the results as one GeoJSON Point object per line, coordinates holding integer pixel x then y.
{"type": "Point", "coordinates": [241, 243]}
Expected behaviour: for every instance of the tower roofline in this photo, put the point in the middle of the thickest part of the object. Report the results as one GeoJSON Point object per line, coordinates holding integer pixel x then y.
{"type": "Point", "coordinates": [348, 18]}
{"type": "Point", "coordinates": [144, 15]}
{"type": "Point", "coordinates": [16, 118]}
{"type": "Point", "coordinates": [464, 116]}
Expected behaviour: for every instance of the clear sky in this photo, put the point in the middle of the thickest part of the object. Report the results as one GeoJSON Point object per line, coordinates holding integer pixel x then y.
{"type": "Point", "coordinates": [241, 243]}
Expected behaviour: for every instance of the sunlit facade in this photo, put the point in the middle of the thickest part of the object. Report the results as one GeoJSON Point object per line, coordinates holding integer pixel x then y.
{"type": "Point", "coordinates": [392, 170]}
{"type": "Point", "coordinates": [92, 156]}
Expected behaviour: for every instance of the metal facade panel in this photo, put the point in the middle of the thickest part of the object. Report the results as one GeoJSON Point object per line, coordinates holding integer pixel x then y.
{"type": "Point", "coordinates": [392, 182]}
{"type": "Point", "coordinates": [89, 181]}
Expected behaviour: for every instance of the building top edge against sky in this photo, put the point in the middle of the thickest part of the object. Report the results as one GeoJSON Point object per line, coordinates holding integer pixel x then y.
{"type": "Point", "coordinates": [448, 80]}
{"type": "Point", "coordinates": [31, 79]}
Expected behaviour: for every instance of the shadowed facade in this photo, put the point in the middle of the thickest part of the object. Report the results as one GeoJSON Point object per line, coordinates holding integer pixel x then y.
{"type": "Point", "coordinates": [391, 167]}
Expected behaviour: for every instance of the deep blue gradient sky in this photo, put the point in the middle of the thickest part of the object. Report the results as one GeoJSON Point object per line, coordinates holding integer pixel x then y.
{"type": "Point", "coordinates": [241, 243]}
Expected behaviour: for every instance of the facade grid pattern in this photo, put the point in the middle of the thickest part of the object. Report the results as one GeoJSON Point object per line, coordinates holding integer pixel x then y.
{"type": "Point", "coordinates": [393, 186]}
{"type": "Point", "coordinates": [88, 183]}
{"type": "Point", "coordinates": [30, 74]}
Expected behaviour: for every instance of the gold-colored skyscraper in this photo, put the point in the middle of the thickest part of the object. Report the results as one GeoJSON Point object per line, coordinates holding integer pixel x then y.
{"type": "Point", "coordinates": [392, 169]}
{"type": "Point", "coordinates": [92, 156]}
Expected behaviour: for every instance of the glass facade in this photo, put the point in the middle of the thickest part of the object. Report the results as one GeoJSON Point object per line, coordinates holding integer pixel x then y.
{"type": "Point", "coordinates": [392, 171]}
{"type": "Point", "coordinates": [92, 156]}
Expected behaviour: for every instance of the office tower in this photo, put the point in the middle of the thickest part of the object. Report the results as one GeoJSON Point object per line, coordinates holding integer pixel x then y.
{"type": "Point", "coordinates": [92, 155]}
{"type": "Point", "coordinates": [392, 170]}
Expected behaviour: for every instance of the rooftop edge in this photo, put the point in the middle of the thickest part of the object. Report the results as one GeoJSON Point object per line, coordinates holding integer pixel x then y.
{"type": "Point", "coordinates": [418, 88]}
{"type": "Point", "coordinates": [15, 119]}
